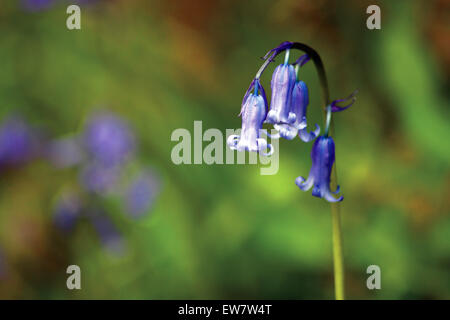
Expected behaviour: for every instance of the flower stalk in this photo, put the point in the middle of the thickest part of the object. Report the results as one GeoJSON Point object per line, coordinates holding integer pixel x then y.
{"type": "Point", "coordinates": [338, 259]}
{"type": "Point", "coordinates": [289, 101]}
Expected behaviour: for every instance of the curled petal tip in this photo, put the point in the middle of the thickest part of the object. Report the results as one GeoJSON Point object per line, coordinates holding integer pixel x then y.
{"type": "Point", "coordinates": [292, 117]}
{"type": "Point", "coordinates": [329, 197]}
{"type": "Point", "coordinates": [261, 144]}
{"type": "Point", "coordinates": [267, 146]}
{"type": "Point", "coordinates": [232, 141]}
{"type": "Point", "coordinates": [306, 136]}
{"type": "Point", "coordinates": [301, 125]}
{"type": "Point", "coordinates": [271, 117]}
{"type": "Point", "coordinates": [299, 181]}
{"type": "Point", "coordinates": [272, 136]}
{"type": "Point", "coordinates": [338, 188]}
{"type": "Point", "coordinates": [303, 184]}
{"type": "Point", "coordinates": [288, 133]}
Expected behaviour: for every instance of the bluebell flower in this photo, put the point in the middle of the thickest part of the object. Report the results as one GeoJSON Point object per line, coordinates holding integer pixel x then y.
{"type": "Point", "coordinates": [108, 139]}
{"type": "Point", "coordinates": [293, 106]}
{"type": "Point", "coordinates": [300, 101]}
{"type": "Point", "coordinates": [98, 178]}
{"type": "Point", "coordinates": [37, 5]}
{"type": "Point", "coordinates": [67, 211]}
{"type": "Point", "coordinates": [17, 142]}
{"type": "Point", "coordinates": [65, 152]}
{"type": "Point", "coordinates": [141, 194]}
{"type": "Point", "coordinates": [253, 112]}
{"type": "Point", "coordinates": [322, 156]}
{"type": "Point", "coordinates": [40, 5]}
{"type": "Point", "coordinates": [283, 81]}
{"type": "Point", "coordinates": [108, 233]}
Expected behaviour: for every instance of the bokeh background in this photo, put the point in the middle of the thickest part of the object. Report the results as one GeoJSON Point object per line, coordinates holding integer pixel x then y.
{"type": "Point", "coordinates": [219, 231]}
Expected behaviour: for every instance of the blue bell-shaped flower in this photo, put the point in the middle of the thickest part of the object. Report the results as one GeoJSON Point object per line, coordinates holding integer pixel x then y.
{"type": "Point", "coordinates": [322, 156]}
{"type": "Point", "coordinates": [253, 112]}
{"type": "Point", "coordinates": [283, 80]}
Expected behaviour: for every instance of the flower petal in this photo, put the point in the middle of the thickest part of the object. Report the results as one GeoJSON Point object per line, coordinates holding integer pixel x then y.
{"type": "Point", "coordinates": [337, 190]}
{"type": "Point", "coordinates": [291, 118]}
{"type": "Point", "coordinates": [232, 141]}
{"type": "Point", "coordinates": [329, 197]}
{"type": "Point", "coordinates": [301, 125]}
{"type": "Point", "coordinates": [287, 132]}
{"type": "Point", "coordinates": [263, 145]}
{"type": "Point", "coordinates": [304, 185]}
{"type": "Point", "coordinates": [309, 136]}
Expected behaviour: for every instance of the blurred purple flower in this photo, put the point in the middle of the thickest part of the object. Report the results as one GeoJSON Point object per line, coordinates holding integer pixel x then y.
{"type": "Point", "coordinates": [67, 211]}
{"type": "Point", "coordinates": [98, 178]}
{"type": "Point", "coordinates": [108, 139]}
{"type": "Point", "coordinates": [17, 143]}
{"type": "Point", "coordinates": [37, 5]}
{"type": "Point", "coordinates": [141, 194]}
{"type": "Point", "coordinates": [65, 152]}
{"type": "Point", "coordinates": [110, 236]}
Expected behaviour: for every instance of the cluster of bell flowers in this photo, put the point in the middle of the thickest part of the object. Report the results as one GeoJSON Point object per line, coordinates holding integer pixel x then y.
{"type": "Point", "coordinates": [287, 114]}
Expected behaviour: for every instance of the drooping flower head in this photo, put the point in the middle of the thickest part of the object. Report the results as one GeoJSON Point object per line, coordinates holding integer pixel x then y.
{"type": "Point", "coordinates": [253, 112]}
{"type": "Point", "coordinates": [108, 139]}
{"type": "Point", "coordinates": [298, 102]}
{"type": "Point", "coordinates": [282, 83]}
{"type": "Point", "coordinates": [322, 156]}
{"type": "Point", "coordinates": [283, 80]}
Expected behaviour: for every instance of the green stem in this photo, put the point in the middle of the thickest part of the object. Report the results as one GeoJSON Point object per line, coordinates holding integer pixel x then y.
{"type": "Point", "coordinates": [338, 259]}
{"type": "Point", "coordinates": [286, 57]}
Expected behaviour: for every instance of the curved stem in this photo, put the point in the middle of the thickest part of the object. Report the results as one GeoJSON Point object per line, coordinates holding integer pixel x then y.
{"type": "Point", "coordinates": [315, 57]}
{"type": "Point", "coordinates": [338, 259]}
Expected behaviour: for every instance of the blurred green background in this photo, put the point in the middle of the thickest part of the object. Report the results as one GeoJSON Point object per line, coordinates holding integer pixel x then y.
{"type": "Point", "coordinates": [225, 231]}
